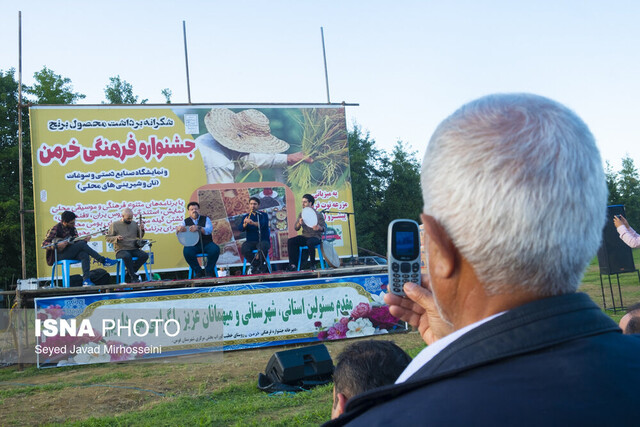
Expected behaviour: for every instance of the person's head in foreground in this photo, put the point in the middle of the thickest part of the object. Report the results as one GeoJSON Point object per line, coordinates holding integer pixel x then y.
{"type": "Point", "coordinates": [513, 184]}
{"type": "Point", "coordinates": [630, 322]}
{"type": "Point", "coordinates": [363, 366]}
{"type": "Point", "coordinates": [514, 206]}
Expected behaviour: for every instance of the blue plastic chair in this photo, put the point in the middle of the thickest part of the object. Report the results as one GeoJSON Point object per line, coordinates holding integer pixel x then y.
{"type": "Point", "coordinates": [65, 271]}
{"type": "Point", "coordinates": [244, 264]}
{"type": "Point", "coordinates": [321, 256]}
{"type": "Point", "coordinates": [215, 270]}
{"type": "Point", "coordinates": [121, 270]}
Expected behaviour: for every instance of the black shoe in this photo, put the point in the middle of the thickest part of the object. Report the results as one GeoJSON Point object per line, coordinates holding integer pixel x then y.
{"type": "Point", "coordinates": [132, 278]}
{"type": "Point", "coordinates": [292, 267]}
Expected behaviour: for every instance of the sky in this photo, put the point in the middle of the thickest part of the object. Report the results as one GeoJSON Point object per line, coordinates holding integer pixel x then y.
{"type": "Point", "coordinates": [408, 64]}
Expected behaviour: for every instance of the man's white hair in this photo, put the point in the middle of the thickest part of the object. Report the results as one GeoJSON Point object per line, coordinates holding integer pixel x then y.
{"type": "Point", "coordinates": [517, 182]}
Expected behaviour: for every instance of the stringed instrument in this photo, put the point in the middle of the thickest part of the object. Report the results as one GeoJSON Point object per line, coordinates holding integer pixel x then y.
{"type": "Point", "coordinates": [50, 255]}
{"type": "Point", "coordinates": [73, 239]}
{"type": "Point", "coordinates": [140, 242]}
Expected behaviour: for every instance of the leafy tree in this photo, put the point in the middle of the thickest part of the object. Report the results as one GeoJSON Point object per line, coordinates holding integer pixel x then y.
{"type": "Point", "coordinates": [166, 92]}
{"type": "Point", "coordinates": [629, 189]}
{"type": "Point", "coordinates": [52, 88]}
{"type": "Point", "coordinates": [384, 188]}
{"type": "Point", "coordinates": [402, 197]}
{"type": "Point", "coordinates": [9, 112]}
{"type": "Point", "coordinates": [368, 182]}
{"type": "Point", "coordinates": [612, 185]}
{"type": "Point", "coordinates": [10, 250]}
{"type": "Point", "coordinates": [119, 91]}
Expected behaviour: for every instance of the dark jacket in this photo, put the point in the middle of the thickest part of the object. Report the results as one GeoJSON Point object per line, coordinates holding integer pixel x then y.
{"type": "Point", "coordinates": [252, 231]}
{"type": "Point", "coordinates": [57, 233]}
{"type": "Point", "coordinates": [555, 361]}
{"type": "Point", "coordinates": [202, 222]}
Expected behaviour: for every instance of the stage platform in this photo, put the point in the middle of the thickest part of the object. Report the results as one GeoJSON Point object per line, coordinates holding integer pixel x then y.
{"type": "Point", "coordinates": [207, 315]}
{"type": "Point", "coordinates": [25, 297]}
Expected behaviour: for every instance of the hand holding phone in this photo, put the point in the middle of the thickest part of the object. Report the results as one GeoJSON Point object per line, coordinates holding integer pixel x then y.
{"type": "Point", "coordinates": [403, 254]}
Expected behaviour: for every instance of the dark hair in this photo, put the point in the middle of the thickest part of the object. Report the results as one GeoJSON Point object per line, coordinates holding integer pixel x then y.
{"type": "Point", "coordinates": [192, 204]}
{"type": "Point", "coordinates": [366, 365]}
{"type": "Point", "coordinates": [67, 216]}
{"type": "Point", "coordinates": [309, 198]}
{"type": "Point", "coordinates": [254, 198]}
{"type": "Point", "coordinates": [633, 307]}
{"type": "Point", "coordinates": [633, 327]}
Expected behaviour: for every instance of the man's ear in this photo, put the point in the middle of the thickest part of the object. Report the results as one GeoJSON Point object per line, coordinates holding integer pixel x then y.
{"type": "Point", "coordinates": [342, 404]}
{"type": "Point", "coordinates": [441, 252]}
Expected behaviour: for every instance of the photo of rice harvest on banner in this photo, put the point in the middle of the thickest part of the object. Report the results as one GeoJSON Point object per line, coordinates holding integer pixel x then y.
{"type": "Point", "coordinates": [155, 159]}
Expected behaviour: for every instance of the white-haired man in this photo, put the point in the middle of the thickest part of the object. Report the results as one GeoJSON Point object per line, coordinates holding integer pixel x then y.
{"type": "Point", "coordinates": [515, 198]}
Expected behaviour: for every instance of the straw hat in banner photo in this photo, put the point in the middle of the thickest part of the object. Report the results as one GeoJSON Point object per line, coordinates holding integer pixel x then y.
{"type": "Point", "coordinates": [246, 132]}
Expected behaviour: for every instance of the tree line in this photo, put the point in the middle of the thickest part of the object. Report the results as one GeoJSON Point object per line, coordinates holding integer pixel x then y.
{"type": "Point", "coordinates": [385, 185]}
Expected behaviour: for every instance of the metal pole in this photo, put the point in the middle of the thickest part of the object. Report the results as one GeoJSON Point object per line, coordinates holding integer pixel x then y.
{"type": "Point", "coordinates": [20, 166]}
{"type": "Point", "coordinates": [326, 73]}
{"type": "Point", "coordinates": [186, 59]}
{"type": "Point", "coordinates": [22, 245]}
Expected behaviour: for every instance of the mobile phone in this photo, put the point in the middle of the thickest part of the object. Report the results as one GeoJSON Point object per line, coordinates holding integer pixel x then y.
{"type": "Point", "coordinates": [403, 254]}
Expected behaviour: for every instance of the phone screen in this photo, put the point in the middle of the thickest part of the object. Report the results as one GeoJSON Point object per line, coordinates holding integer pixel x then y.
{"type": "Point", "coordinates": [403, 250]}
{"type": "Point", "coordinates": [404, 243]}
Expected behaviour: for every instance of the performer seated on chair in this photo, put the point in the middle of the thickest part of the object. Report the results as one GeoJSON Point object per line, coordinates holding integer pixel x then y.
{"type": "Point", "coordinates": [256, 225]}
{"type": "Point", "coordinates": [68, 246]}
{"type": "Point", "coordinates": [126, 236]}
{"type": "Point", "coordinates": [311, 236]}
{"type": "Point", "coordinates": [201, 224]}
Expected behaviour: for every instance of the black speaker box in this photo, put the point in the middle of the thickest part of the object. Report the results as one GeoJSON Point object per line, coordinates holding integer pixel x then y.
{"type": "Point", "coordinates": [614, 256]}
{"type": "Point", "coordinates": [295, 366]}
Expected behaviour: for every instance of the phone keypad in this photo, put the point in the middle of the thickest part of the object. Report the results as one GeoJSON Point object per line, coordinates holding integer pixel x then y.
{"type": "Point", "coordinates": [401, 273]}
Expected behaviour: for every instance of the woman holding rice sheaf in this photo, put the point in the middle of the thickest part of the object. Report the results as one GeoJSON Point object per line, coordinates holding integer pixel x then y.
{"type": "Point", "coordinates": [238, 142]}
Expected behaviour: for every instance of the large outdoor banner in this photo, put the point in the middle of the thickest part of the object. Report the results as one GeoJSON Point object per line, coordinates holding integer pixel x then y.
{"type": "Point", "coordinates": [97, 160]}
{"type": "Point", "coordinates": [115, 327]}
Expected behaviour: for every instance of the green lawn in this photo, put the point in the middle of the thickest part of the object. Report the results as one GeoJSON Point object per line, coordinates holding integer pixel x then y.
{"type": "Point", "coordinates": [629, 287]}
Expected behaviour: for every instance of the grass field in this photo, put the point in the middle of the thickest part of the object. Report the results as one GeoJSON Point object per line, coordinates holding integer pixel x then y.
{"type": "Point", "coordinates": [194, 391]}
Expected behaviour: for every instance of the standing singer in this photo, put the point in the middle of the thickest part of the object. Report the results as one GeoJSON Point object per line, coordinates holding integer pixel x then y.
{"type": "Point", "coordinates": [256, 225]}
